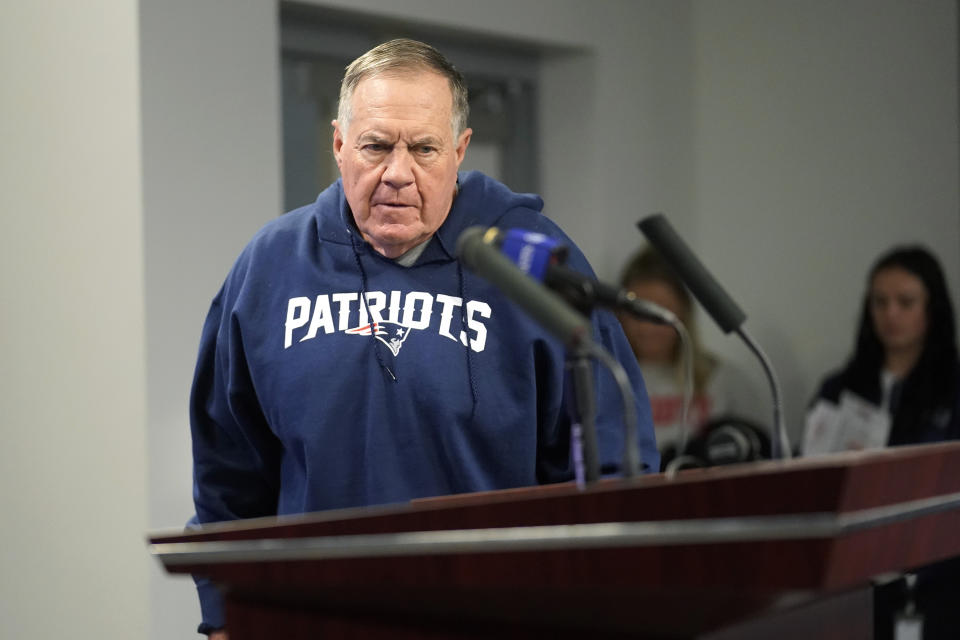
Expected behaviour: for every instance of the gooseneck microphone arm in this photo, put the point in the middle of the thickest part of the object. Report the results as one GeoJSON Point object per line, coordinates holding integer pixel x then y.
{"type": "Point", "coordinates": [632, 464]}
{"type": "Point", "coordinates": [476, 248]}
{"type": "Point", "coordinates": [582, 408]}
{"type": "Point", "coordinates": [725, 312]}
{"type": "Point", "coordinates": [584, 292]}
{"type": "Point", "coordinates": [779, 447]}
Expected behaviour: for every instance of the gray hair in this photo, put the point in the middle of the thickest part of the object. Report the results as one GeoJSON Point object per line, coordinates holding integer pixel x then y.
{"type": "Point", "coordinates": [404, 56]}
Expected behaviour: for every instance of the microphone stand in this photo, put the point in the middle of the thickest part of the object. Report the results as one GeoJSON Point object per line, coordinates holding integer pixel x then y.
{"type": "Point", "coordinates": [683, 437]}
{"type": "Point", "coordinates": [725, 312]}
{"type": "Point", "coordinates": [631, 427]}
{"type": "Point", "coordinates": [582, 411]}
{"type": "Point", "coordinates": [780, 443]}
{"type": "Point", "coordinates": [584, 295]}
{"type": "Point", "coordinates": [475, 248]}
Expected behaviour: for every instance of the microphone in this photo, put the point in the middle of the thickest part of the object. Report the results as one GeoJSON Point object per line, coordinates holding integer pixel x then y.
{"type": "Point", "coordinates": [721, 307]}
{"type": "Point", "coordinates": [541, 257]}
{"type": "Point", "coordinates": [585, 292]}
{"type": "Point", "coordinates": [704, 287]}
{"type": "Point", "coordinates": [475, 247]}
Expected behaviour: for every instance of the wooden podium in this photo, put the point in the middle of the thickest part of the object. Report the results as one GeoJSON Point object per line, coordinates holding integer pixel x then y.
{"type": "Point", "coordinates": [783, 549]}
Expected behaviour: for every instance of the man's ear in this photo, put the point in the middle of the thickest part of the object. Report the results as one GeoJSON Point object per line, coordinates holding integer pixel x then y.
{"type": "Point", "coordinates": [337, 141]}
{"type": "Point", "coordinates": [462, 144]}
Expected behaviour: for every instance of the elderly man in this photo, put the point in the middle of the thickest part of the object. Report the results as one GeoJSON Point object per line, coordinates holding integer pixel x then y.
{"type": "Point", "coordinates": [350, 360]}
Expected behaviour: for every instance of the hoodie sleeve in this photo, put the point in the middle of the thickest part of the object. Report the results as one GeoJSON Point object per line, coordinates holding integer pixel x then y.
{"type": "Point", "coordinates": [610, 423]}
{"type": "Point", "coordinates": [235, 454]}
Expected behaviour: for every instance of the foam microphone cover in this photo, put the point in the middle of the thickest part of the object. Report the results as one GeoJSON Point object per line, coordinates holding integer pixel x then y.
{"type": "Point", "coordinates": [477, 251]}
{"type": "Point", "coordinates": [704, 287]}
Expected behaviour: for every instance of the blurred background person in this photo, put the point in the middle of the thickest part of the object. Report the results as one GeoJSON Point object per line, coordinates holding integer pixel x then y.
{"type": "Point", "coordinates": [905, 371]}
{"type": "Point", "coordinates": [904, 363]}
{"type": "Point", "coordinates": [716, 386]}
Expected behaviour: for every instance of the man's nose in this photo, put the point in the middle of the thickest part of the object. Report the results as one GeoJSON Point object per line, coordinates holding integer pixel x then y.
{"type": "Point", "coordinates": [399, 168]}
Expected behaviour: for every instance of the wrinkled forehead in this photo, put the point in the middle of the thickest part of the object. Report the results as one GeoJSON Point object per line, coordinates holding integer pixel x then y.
{"type": "Point", "coordinates": [416, 88]}
{"type": "Point", "coordinates": [425, 82]}
{"type": "Point", "coordinates": [410, 101]}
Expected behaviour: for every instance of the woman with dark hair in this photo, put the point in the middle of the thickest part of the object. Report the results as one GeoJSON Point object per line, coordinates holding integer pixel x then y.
{"type": "Point", "coordinates": [905, 362]}
{"type": "Point", "coordinates": [905, 372]}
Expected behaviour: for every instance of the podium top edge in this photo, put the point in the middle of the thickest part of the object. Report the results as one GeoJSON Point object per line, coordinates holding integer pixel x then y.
{"type": "Point", "coordinates": [841, 482]}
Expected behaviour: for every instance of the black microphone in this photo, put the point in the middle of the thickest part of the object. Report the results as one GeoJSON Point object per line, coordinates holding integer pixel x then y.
{"type": "Point", "coordinates": [708, 291]}
{"type": "Point", "coordinates": [476, 248]}
{"type": "Point", "coordinates": [541, 257]}
{"type": "Point", "coordinates": [585, 292]}
{"type": "Point", "coordinates": [724, 311]}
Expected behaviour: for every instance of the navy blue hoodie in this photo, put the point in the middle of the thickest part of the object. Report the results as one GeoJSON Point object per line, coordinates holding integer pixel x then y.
{"type": "Point", "coordinates": [329, 376]}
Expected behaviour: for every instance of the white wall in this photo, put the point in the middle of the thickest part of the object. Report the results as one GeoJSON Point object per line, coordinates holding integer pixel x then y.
{"type": "Point", "coordinates": [211, 141]}
{"type": "Point", "coordinates": [73, 493]}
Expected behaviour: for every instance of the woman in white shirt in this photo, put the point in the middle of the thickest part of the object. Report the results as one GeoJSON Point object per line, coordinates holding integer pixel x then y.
{"type": "Point", "coordinates": [658, 351]}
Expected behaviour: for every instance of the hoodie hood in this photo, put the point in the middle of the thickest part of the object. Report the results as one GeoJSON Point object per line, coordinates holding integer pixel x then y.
{"type": "Point", "coordinates": [480, 201]}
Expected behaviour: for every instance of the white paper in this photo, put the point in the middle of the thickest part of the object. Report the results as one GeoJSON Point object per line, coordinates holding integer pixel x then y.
{"type": "Point", "coordinates": [908, 627]}
{"type": "Point", "coordinates": [853, 424]}
{"type": "Point", "coordinates": [821, 429]}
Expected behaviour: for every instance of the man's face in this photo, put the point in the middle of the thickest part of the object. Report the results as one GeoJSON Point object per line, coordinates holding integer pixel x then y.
{"type": "Point", "coordinates": [398, 159]}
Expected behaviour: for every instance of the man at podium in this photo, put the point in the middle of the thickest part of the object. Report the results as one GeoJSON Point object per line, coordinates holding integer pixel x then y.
{"type": "Point", "coordinates": [350, 360]}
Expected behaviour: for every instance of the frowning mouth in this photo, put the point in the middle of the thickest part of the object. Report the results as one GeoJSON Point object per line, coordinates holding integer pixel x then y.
{"type": "Point", "coordinates": [393, 206]}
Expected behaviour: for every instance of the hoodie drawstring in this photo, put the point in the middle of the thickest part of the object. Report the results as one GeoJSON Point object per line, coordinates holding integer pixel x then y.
{"type": "Point", "coordinates": [462, 289]}
{"type": "Point", "coordinates": [363, 299]}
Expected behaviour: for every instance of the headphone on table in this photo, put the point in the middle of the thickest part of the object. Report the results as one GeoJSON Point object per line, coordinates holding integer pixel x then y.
{"type": "Point", "coordinates": [724, 440]}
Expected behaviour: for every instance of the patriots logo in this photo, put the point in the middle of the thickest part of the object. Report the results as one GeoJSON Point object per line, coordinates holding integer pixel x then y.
{"type": "Point", "coordinates": [389, 333]}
